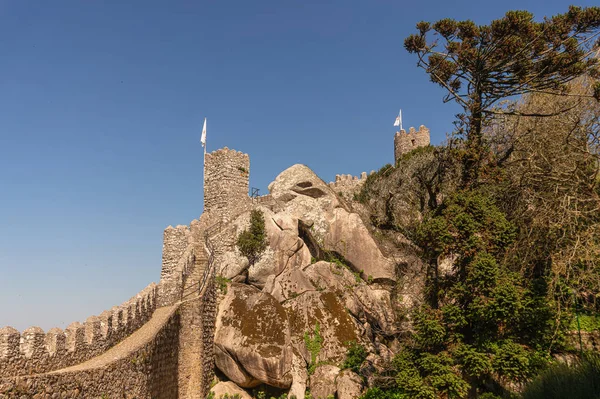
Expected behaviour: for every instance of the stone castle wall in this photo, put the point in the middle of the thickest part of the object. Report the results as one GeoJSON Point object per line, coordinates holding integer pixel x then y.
{"type": "Point", "coordinates": [208, 312]}
{"type": "Point", "coordinates": [226, 181]}
{"type": "Point", "coordinates": [406, 142]}
{"type": "Point", "coordinates": [147, 372]}
{"type": "Point", "coordinates": [347, 185]}
{"type": "Point", "coordinates": [34, 363]}
{"type": "Point", "coordinates": [34, 351]}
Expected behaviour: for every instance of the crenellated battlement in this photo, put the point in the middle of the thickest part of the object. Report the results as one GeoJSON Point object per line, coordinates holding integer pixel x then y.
{"type": "Point", "coordinates": [348, 185]}
{"type": "Point", "coordinates": [406, 142]}
{"type": "Point", "coordinates": [34, 351]}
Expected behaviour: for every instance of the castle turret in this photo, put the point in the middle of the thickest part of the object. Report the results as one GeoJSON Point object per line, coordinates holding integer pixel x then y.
{"type": "Point", "coordinates": [226, 181]}
{"type": "Point", "coordinates": [406, 142]}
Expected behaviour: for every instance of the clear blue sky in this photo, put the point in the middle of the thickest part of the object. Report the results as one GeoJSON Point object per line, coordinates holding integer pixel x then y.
{"type": "Point", "coordinates": [101, 107]}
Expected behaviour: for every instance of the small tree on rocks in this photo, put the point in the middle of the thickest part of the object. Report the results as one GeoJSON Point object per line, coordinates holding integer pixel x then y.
{"type": "Point", "coordinates": [252, 242]}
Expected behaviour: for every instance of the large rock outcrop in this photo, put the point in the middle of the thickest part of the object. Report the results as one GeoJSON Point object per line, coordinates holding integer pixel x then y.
{"type": "Point", "coordinates": [336, 326]}
{"type": "Point", "coordinates": [266, 325]}
{"type": "Point", "coordinates": [230, 389]}
{"type": "Point", "coordinates": [309, 200]}
{"type": "Point", "coordinates": [305, 197]}
{"type": "Point", "coordinates": [348, 236]}
{"type": "Point", "coordinates": [348, 385]}
{"type": "Point", "coordinates": [288, 285]}
{"type": "Point", "coordinates": [252, 338]}
{"type": "Point", "coordinates": [322, 382]}
{"type": "Point", "coordinates": [367, 303]}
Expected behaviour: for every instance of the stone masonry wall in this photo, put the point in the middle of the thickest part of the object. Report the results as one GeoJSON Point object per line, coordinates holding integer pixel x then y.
{"type": "Point", "coordinates": [177, 257]}
{"type": "Point", "coordinates": [209, 316]}
{"type": "Point", "coordinates": [147, 373]}
{"type": "Point", "coordinates": [406, 142]}
{"type": "Point", "coordinates": [226, 181]}
{"type": "Point", "coordinates": [34, 351]}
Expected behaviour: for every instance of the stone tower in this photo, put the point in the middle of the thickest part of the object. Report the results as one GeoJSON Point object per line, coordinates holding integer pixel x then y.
{"type": "Point", "coordinates": [405, 142]}
{"type": "Point", "coordinates": [226, 181]}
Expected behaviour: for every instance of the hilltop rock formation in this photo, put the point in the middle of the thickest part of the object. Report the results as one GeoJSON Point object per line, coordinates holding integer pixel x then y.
{"type": "Point", "coordinates": [323, 278]}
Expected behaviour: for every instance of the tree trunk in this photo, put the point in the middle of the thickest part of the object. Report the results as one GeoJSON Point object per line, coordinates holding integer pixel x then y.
{"type": "Point", "coordinates": [474, 147]}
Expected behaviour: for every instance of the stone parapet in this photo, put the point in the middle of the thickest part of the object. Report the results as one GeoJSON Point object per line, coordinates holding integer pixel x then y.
{"type": "Point", "coordinates": [347, 185]}
{"type": "Point", "coordinates": [148, 372]}
{"type": "Point", "coordinates": [34, 351]}
{"type": "Point", "coordinates": [177, 261]}
{"type": "Point", "coordinates": [175, 242]}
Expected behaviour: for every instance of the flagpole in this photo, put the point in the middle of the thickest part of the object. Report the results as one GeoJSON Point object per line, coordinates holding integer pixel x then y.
{"type": "Point", "coordinates": [203, 141]}
{"type": "Point", "coordinates": [400, 114]}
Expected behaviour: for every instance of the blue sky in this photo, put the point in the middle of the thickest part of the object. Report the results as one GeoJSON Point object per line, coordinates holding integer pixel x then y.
{"type": "Point", "coordinates": [101, 108]}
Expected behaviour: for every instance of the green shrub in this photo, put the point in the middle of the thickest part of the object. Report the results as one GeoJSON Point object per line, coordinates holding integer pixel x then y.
{"type": "Point", "coordinates": [222, 283]}
{"type": "Point", "coordinates": [488, 395]}
{"type": "Point", "coordinates": [355, 356]}
{"type": "Point", "coordinates": [414, 153]}
{"type": "Point", "coordinates": [253, 241]}
{"type": "Point", "coordinates": [313, 345]}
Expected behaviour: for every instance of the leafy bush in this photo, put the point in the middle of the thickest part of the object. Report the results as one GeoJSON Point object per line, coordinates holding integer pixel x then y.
{"type": "Point", "coordinates": [355, 356]}
{"type": "Point", "coordinates": [428, 376]}
{"type": "Point", "coordinates": [222, 283]}
{"type": "Point", "coordinates": [253, 241]}
{"type": "Point", "coordinates": [313, 345]}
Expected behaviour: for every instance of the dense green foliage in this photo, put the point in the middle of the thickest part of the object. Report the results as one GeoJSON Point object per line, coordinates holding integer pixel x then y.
{"type": "Point", "coordinates": [378, 393]}
{"type": "Point", "coordinates": [506, 214]}
{"type": "Point", "coordinates": [481, 320]}
{"type": "Point", "coordinates": [253, 241]}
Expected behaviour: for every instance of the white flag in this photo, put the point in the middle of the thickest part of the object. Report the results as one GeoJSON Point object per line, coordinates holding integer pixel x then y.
{"type": "Point", "coordinates": [399, 120]}
{"type": "Point", "coordinates": [203, 139]}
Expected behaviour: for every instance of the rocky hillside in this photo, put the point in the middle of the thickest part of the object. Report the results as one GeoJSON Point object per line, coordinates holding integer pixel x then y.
{"type": "Point", "coordinates": [324, 301]}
